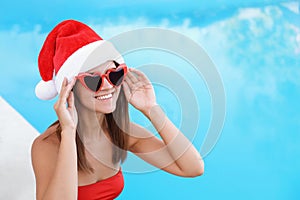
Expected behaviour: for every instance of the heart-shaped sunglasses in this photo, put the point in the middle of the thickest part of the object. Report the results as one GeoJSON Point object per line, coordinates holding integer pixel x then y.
{"type": "Point", "coordinates": [94, 81]}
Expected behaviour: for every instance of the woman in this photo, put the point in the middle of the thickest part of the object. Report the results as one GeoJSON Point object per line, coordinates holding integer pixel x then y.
{"type": "Point", "coordinates": [79, 156]}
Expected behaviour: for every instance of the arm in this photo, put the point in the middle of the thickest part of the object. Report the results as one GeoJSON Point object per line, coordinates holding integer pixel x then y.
{"type": "Point", "coordinates": [174, 153]}
{"type": "Point", "coordinates": [55, 167]}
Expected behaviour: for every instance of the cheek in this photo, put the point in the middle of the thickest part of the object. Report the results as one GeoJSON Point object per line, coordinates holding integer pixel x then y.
{"type": "Point", "coordinates": [81, 90]}
{"type": "Point", "coordinates": [117, 92]}
{"type": "Point", "coordinates": [82, 94]}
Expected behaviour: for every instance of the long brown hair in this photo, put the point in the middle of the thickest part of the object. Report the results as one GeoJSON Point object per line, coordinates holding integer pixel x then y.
{"type": "Point", "coordinates": [117, 124]}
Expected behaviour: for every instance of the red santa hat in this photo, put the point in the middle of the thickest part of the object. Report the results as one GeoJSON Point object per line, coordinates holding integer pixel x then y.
{"type": "Point", "coordinates": [70, 48]}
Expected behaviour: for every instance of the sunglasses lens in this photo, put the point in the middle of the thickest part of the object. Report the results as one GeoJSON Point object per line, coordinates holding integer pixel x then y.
{"type": "Point", "coordinates": [93, 82]}
{"type": "Point", "coordinates": [116, 77]}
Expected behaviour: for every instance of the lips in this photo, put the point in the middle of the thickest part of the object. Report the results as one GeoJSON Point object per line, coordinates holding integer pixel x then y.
{"type": "Point", "coordinates": [104, 96]}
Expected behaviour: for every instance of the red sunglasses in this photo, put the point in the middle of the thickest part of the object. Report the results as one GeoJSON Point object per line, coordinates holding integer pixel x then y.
{"type": "Point", "coordinates": [94, 81]}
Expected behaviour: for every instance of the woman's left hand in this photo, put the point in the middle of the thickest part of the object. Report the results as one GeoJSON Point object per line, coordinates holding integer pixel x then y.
{"type": "Point", "coordinates": [139, 91]}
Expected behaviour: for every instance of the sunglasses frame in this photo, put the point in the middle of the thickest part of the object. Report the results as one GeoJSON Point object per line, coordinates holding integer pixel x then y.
{"type": "Point", "coordinates": [81, 77]}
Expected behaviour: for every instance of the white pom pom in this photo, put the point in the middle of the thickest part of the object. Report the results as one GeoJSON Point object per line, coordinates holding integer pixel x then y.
{"type": "Point", "coordinates": [45, 90]}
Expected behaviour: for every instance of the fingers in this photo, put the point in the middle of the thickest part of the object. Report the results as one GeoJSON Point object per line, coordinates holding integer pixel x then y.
{"type": "Point", "coordinates": [136, 80]}
{"type": "Point", "coordinates": [66, 90]}
{"type": "Point", "coordinates": [70, 100]}
{"type": "Point", "coordinates": [126, 90]}
{"type": "Point", "coordinates": [129, 80]}
{"type": "Point", "coordinates": [131, 77]}
{"type": "Point", "coordinates": [65, 108]}
{"type": "Point", "coordinates": [141, 75]}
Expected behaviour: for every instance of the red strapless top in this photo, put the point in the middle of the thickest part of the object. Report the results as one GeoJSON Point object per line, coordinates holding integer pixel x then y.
{"type": "Point", "coordinates": [107, 189]}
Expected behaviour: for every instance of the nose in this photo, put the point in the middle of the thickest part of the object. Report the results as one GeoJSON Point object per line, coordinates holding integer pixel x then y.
{"type": "Point", "coordinates": [106, 84]}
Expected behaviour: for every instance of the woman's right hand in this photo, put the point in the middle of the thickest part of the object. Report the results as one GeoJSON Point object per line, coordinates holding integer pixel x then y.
{"type": "Point", "coordinates": [65, 108]}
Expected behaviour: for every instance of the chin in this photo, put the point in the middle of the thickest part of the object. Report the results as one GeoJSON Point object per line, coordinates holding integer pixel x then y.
{"type": "Point", "coordinates": [106, 109]}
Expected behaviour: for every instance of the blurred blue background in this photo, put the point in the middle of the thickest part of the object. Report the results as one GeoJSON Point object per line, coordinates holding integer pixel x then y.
{"type": "Point", "coordinates": [255, 45]}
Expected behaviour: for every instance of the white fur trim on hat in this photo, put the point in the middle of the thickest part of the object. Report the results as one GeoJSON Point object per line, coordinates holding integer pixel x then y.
{"type": "Point", "coordinates": [86, 58]}
{"type": "Point", "coordinates": [45, 90]}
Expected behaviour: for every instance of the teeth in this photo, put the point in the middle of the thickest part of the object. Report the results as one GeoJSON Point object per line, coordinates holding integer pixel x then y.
{"type": "Point", "coordinates": [104, 97]}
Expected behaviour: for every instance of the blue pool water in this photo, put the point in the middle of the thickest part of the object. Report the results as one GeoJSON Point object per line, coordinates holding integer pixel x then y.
{"type": "Point", "coordinates": [255, 46]}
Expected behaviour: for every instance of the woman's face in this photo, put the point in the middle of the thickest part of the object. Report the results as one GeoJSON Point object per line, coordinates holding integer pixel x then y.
{"type": "Point", "coordinates": [103, 101]}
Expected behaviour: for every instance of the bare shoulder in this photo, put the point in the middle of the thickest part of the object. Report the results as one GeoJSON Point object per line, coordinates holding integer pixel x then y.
{"type": "Point", "coordinates": [44, 153]}
{"type": "Point", "coordinates": [45, 147]}
{"type": "Point", "coordinates": [48, 139]}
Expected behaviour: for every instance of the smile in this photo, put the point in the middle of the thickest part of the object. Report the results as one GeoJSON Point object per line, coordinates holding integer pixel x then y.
{"type": "Point", "coordinates": [104, 97]}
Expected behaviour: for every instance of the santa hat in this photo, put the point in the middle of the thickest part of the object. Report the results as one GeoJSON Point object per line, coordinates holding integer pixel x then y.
{"type": "Point", "coordinates": [70, 48]}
